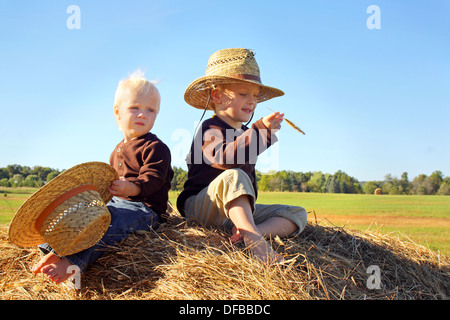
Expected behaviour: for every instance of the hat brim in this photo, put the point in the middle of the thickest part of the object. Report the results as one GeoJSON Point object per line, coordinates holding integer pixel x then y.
{"type": "Point", "coordinates": [198, 91]}
{"type": "Point", "coordinates": [22, 230]}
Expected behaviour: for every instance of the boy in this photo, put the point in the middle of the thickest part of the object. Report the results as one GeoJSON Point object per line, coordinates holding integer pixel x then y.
{"type": "Point", "coordinates": [143, 163]}
{"type": "Point", "coordinates": [221, 188]}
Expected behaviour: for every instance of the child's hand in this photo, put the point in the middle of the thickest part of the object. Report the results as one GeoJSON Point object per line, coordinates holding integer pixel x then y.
{"type": "Point", "coordinates": [273, 121]}
{"type": "Point", "coordinates": [124, 188]}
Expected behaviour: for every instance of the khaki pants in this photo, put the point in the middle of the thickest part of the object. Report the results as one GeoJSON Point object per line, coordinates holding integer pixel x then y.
{"type": "Point", "coordinates": [210, 206]}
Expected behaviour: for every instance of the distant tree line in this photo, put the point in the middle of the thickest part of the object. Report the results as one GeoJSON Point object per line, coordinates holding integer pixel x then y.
{"type": "Point", "coordinates": [339, 182]}
{"type": "Point", "coordinates": [23, 176]}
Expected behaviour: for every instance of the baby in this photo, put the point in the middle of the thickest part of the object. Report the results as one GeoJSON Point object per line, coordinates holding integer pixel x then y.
{"type": "Point", "coordinates": [143, 163]}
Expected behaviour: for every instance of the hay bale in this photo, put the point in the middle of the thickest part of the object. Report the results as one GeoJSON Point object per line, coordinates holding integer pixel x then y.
{"type": "Point", "coordinates": [185, 261]}
{"type": "Point", "coordinates": [378, 191]}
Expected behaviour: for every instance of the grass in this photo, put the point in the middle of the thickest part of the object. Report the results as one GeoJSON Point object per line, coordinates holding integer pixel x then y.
{"type": "Point", "coordinates": [10, 201]}
{"type": "Point", "coordinates": [362, 204]}
{"type": "Point", "coordinates": [423, 219]}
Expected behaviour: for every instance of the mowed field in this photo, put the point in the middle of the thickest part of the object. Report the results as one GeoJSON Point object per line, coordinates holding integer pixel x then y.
{"type": "Point", "coordinates": [422, 219]}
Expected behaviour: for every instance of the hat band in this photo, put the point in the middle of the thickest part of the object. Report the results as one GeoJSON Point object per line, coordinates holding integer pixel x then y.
{"type": "Point", "coordinates": [58, 201]}
{"type": "Point", "coordinates": [246, 77]}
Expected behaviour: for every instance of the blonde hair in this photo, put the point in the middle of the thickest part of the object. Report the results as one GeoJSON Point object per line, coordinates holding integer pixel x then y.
{"type": "Point", "coordinates": [136, 81]}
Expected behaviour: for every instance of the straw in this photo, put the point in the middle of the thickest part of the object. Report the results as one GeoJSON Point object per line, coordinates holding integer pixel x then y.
{"type": "Point", "coordinates": [290, 123]}
{"type": "Point", "coordinates": [182, 260]}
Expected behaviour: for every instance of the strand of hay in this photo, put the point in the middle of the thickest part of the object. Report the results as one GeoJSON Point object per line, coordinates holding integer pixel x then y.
{"type": "Point", "coordinates": [185, 261]}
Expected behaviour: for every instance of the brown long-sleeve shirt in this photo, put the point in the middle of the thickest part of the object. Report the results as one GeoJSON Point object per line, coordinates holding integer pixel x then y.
{"type": "Point", "coordinates": [218, 147]}
{"type": "Point", "coordinates": [146, 161]}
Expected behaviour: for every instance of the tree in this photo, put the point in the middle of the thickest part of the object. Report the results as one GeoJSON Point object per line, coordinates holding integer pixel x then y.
{"type": "Point", "coordinates": [418, 184]}
{"type": "Point", "coordinates": [258, 175]}
{"type": "Point", "coordinates": [16, 180]}
{"type": "Point", "coordinates": [275, 183]}
{"type": "Point", "coordinates": [370, 187]}
{"type": "Point", "coordinates": [41, 172]}
{"type": "Point", "coordinates": [404, 183]}
{"type": "Point", "coordinates": [13, 169]}
{"type": "Point", "coordinates": [5, 182]}
{"type": "Point", "coordinates": [435, 180]}
{"type": "Point", "coordinates": [286, 180]}
{"type": "Point", "coordinates": [391, 185]}
{"type": "Point", "coordinates": [4, 173]}
{"type": "Point", "coordinates": [32, 180]}
{"type": "Point", "coordinates": [179, 178]}
{"type": "Point", "coordinates": [317, 182]}
{"type": "Point", "coordinates": [263, 183]}
{"type": "Point", "coordinates": [423, 184]}
{"type": "Point", "coordinates": [332, 185]}
{"type": "Point", "coordinates": [52, 175]}
{"type": "Point", "coordinates": [444, 189]}
{"type": "Point", "coordinates": [341, 182]}
{"type": "Point", "coordinates": [300, 182]}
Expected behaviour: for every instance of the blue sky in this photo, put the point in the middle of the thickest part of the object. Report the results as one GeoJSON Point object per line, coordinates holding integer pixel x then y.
{"type": "Point", "coordinates": [371, 101]}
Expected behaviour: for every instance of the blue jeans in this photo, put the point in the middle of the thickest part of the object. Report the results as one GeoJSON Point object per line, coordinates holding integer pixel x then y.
{"type": "Point", "coordinates": [126, 217]}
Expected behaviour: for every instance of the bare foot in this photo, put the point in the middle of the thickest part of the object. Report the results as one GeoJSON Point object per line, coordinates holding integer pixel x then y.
{"type": "Point", "coordinates": [262, 250]}
{"type": "Point", "coordinates": [47, 259]}
{"type": "Point", "coordinates": [236, 235]}
{"type": "Point", "coordinates": [57, 272]}
{"type": "Point", "coordinates": [53, 267]}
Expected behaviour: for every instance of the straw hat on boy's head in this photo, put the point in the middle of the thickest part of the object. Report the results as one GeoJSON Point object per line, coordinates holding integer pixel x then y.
{"type": "Point", "coordinates": [69, 213]}
{"type": "Point", "coordinates": [228, 66]}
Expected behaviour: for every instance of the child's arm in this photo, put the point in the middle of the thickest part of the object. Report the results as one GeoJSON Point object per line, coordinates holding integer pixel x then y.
{"type": "Point", "coordinates": [153, 171]}
{"type": "Point", "coordinates": [145, 173]}
{"type": "Point", "coordinates": [223, 152]}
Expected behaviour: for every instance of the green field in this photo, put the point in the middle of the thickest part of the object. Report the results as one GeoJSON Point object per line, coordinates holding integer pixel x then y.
{"type": "Point", "coordinates": [423, 219]}
{"type": "Point", "coordinates": [10, 200]}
